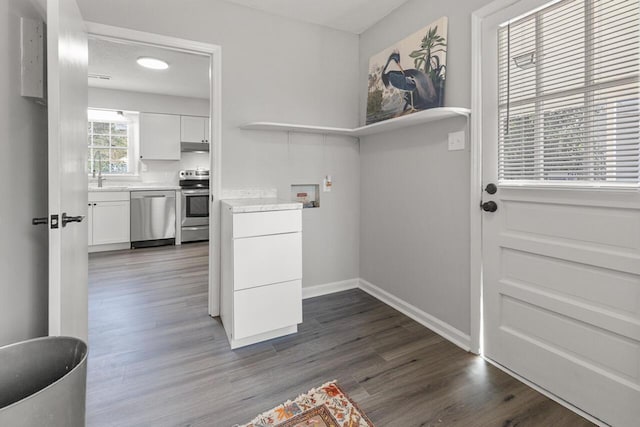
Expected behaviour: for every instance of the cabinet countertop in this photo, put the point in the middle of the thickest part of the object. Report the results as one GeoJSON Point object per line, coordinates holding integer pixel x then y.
{"type": "Point", "coordinates": [134, 187]}
{"type": "Point", "coordinates": [260, 205]}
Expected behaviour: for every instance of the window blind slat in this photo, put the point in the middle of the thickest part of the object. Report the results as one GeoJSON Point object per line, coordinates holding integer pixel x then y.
{"type": "Point", "coordinates": [568, 94]}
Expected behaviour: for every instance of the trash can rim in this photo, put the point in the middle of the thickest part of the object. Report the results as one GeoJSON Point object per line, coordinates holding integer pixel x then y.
{"type": "Point", "coordinates": [48, 338]}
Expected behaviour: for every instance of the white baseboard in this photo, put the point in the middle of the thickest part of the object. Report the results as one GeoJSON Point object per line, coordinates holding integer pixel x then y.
{"type": "Point", "coordinates": [441, 328]}
{"type": "Point", "coordinates": [110, 247]}
{"type": "Point", "coordinates": [329, 288]}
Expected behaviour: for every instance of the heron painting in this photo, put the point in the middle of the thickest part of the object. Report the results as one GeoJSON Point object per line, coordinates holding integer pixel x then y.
{"type": "Point", "coordinates": [410, 75]}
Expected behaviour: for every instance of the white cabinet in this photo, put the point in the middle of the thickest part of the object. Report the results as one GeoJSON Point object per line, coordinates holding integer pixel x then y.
{"type": "Point", "coordinates": [159, 136]}
{"type": "Point", "coordinates": [108, 219]}
{"type": "Point", "coordinates": [194, 129]}
{"type": "Point", "coordinates": [261, 293]}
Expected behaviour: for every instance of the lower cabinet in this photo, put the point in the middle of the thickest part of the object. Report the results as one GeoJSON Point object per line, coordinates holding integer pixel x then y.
{"type": "Point", "coordinates": [267, 308]}
{"type": "Point", "coordinates": [261, 292]}
{"type": "Point", "coordinates": [108, 219]}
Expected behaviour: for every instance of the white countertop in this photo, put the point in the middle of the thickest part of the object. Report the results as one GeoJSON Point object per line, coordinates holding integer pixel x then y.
{"type": "Point", "coordinates": [134, 187]}
{"type": "Point", "coordinates": [260, 205]}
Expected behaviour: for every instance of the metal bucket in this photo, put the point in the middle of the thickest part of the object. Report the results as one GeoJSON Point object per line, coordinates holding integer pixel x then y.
{"type": "Point", "coordinates": [43, 383]}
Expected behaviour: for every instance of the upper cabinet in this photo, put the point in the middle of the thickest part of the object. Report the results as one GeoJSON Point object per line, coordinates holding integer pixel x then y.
{"type": "Point", "coordinates": [159, 136]}
{"type": "Point", "coordinates": [194, 129]}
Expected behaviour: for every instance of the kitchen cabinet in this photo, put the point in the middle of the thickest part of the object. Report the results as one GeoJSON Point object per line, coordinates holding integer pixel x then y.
{"type": "Point", "coordinates": [159, 136]}
{"type": "Point", "coordinates": [108, 219]}
{"type": "Point", "coordinates": [261, 293]}
{"type": "Point", "coordinates": [194, 129]}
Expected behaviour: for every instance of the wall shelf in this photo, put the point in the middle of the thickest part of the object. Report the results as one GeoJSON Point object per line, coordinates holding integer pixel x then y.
{"type": "Point", "coordinates": [426, 116]}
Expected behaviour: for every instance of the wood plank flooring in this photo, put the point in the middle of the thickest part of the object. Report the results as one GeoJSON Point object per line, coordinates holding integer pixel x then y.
{"type": "Point", "coordinates": [157, 359]}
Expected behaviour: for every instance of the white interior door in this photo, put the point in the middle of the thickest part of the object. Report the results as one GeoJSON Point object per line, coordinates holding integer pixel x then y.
{"type": "Point", "coordinates": [561, 270]}
{"type": "Point", "coordinates": [67, 57]}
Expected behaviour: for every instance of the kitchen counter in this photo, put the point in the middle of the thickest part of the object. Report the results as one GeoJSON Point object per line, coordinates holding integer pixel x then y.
{"type": "Point", "coordinates": [260, 205]}
{"type": "Point", "coordinates": [134, 187]}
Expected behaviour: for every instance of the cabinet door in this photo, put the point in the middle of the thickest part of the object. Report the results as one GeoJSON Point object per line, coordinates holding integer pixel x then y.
{"type": "Point", "coordinates": [207, 135]}
{"type": "Point", "coordinates": [159, 136]}
{"type": "Point", "coordinates": [90, 223]}
{"type": "Point", "coordinates": [110, 222]}
{"type": "Point", "coordinates": [192, 129]}
{"type": "Point", "coordinates": [267, 308]}
{"type": "Point", "coordinates": [265, 260]}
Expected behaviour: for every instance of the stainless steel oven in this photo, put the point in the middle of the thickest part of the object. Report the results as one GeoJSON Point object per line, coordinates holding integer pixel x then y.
{"type": "Point", "coordinates": [195, 205]}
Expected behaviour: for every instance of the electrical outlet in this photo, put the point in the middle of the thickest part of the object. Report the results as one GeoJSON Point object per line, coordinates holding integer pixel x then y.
{"type": "Point", "coordinates": [327, 183]}
{"type": "Point", "coordinates": [456, 141]}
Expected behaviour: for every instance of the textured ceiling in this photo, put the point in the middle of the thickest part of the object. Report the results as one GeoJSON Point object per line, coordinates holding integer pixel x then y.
{"type": "Point", "coordinates": [353, 16]}
{"type": "Point", "coordinates": [187, 75]}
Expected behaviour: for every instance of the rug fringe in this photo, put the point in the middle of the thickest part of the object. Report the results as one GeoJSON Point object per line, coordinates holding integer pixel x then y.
{"type": "Point", "coordinates": [290, 401]}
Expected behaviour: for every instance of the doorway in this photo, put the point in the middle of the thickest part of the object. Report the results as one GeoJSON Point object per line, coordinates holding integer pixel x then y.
{"type": "Point", "coordinates": [156, 97]}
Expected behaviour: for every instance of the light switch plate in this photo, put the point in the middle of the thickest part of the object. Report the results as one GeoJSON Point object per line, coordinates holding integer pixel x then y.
{"type": "Point", "coordinates": [456, 140]}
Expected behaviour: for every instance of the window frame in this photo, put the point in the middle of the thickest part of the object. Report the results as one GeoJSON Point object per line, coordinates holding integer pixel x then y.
{"type": "Point", "coordinates": [132, 118]}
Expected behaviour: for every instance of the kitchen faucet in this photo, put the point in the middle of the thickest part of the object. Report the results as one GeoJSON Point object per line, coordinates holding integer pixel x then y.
{"type": "Point", "coordinates": [101, 179]}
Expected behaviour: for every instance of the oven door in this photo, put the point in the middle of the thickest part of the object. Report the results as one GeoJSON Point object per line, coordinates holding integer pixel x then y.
{"type": "Point", "coordinates": [195, 208]}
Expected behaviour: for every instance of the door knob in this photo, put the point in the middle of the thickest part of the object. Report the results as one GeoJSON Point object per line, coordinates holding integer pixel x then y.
{"type": "Point", "coordinates": [491, 188]}
{"type": "Point", "coordinates": [40, 221]}
{"type": "Point", "coordinates": [67, 219]}
{"type": "Point", "coordinates": [490, 206]}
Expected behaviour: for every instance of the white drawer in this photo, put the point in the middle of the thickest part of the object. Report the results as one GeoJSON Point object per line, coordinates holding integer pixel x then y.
{"type": "Point", "coordinates": [267, 308]}
{"type": "Point", "coordinates": [108, 196]}
{"type": "Point", "coordinates": [264, 223]}
{"type": "Point", "coordinates": [264, 260]}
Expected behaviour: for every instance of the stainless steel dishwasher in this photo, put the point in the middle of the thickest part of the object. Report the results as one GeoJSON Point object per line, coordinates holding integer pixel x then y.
{"type": "Point", "coordinates": [153, 218]}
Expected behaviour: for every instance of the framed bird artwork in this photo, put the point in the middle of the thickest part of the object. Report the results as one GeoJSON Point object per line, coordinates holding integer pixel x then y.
{"type": "Point", "coordinates": [410, 75]}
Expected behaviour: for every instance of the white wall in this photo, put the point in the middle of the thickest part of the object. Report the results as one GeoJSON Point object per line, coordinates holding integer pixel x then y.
{"type": "Point", "coordinates": [415, 193]}
{"type": "Point", "coordinates": [23, 173]}
{"type": "Point", "coordinates": [160, 171]}
{"type": "Point", "coordinates": [275, 69]}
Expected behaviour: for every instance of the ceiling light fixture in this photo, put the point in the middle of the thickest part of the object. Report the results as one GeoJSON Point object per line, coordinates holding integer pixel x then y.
{"type": "Point", "coordinates": [152, 63]}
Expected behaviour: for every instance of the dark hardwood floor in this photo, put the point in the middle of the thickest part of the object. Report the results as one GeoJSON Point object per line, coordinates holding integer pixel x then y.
{"type": "Point", "coordinates": [157, 359]}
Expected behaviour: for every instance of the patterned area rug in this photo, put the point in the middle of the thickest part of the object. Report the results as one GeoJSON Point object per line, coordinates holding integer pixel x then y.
{"type": "Point", "coordinates": [325, 406]}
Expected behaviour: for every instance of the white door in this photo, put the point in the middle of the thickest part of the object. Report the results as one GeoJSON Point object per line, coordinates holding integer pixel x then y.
{"type": "Point", "coordinates": [67, 109]}
{"type": "Point", "coordinates": [561, 259]}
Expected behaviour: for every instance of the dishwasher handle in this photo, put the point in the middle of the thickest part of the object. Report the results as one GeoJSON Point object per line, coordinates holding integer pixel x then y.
{"type": "Point", "coordinates": [147, 194]}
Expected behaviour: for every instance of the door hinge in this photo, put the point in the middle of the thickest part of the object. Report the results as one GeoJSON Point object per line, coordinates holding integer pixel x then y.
{"type": "Point", "coordinates": [54, 221]}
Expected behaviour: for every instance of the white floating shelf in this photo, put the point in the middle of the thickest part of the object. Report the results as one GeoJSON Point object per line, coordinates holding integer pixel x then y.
{"type": "Point", "coordinates": [425, 116]}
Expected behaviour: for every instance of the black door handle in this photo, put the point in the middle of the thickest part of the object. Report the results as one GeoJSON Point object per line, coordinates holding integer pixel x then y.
{"type": "Point", "coordinates": [490, 206]}
{"type": "Point", "coordinates": [40, 221]}
{"type": "Point", "coordinates": [67, 219]}
{"type": "Point", "coordinates": [491, 188]}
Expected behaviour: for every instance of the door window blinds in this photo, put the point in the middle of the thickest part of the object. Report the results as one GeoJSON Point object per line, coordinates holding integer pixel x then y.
{"type": "Point", "coordinates": [568, 88]}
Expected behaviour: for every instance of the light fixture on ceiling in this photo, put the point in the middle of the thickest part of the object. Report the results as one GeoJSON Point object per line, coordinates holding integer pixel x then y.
{"type": "Point", "coordinates": [152, 63]}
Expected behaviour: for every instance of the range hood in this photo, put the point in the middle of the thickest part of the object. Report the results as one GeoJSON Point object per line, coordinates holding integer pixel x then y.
{"type": "Point", "coordinates": [194, 147]}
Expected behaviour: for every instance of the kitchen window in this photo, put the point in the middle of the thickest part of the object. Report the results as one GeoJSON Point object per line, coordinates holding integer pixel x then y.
{"type": "Point", "coordinates": [112, 142]}
{"type": "Point", "coordinates": [568, 78]}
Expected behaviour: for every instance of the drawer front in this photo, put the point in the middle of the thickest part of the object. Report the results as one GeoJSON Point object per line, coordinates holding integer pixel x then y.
{"type": "Point", "coordinates": [109, 196]}
{"type": "Point", "coordinates": [267, 308]}
{"type": "Point", "coordinates": [264, 223]}
{"type": "Point", "coordinates": [264, 260]}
